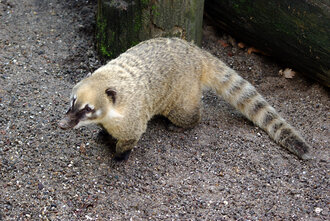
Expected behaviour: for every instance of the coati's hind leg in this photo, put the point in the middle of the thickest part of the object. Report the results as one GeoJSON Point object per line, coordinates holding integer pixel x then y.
{"type": "Point", "coordinates": [184, 117]}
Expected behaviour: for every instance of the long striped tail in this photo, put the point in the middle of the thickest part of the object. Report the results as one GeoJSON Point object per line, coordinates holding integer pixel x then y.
{"type": "Point", "coordinates": [244, 97]}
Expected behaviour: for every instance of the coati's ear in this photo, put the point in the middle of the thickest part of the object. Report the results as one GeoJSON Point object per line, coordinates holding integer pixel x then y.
{"type": "Point", "coordinates": [112, 94]}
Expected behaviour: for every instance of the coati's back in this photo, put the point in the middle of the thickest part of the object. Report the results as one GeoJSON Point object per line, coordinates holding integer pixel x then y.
{"type": "Point", "coordinates": [166, 76]}
{"type": "Point", "coordinates": [153, 73]}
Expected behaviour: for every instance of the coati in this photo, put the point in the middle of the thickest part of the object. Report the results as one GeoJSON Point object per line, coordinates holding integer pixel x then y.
{"type": "Point", "coordinates": [166, 76]}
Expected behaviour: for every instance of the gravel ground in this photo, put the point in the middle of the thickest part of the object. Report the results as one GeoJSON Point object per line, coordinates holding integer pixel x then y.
{"type": "Point", "coordinates": [224, 169]}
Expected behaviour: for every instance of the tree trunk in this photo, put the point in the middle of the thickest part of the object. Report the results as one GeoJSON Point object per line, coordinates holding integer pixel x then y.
{"type": "Point", "coordinates": [122, 24]}
{"type": "Point", "coordinates": [294, 31]}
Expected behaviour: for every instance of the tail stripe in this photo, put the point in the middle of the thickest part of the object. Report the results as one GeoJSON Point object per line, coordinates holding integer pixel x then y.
{"type": "Point", "coordinates": [276, 127]}
{"type": "Point", "coordinates": [285, 133]}
{"type": "Point", "coordinates": [227, 79]}
{"type": "Point", "coordinates": [238, 86]}
{"type": "Point", "coordinates": [257, 107]}
{"type": "Point", "coordinates": [226, 82]}
{"type": "Point", "coordinates": [269, 118]}
{"type": "Point", "coordinates": [245, 99]}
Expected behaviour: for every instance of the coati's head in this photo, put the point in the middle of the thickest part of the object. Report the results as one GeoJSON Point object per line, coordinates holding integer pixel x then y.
{"type": "Point", "coordinates": [89, 105]}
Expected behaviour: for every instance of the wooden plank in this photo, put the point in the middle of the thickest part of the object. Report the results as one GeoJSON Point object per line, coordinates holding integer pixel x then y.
{"type": "Point", "coordinates": [295, 32]}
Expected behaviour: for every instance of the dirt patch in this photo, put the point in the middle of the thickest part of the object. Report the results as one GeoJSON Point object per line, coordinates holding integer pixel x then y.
{"type": "Point", "coordinates": [223, 169]}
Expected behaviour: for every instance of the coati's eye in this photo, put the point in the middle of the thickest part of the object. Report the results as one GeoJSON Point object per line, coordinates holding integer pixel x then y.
{"type": "Point", "coordinates": [87, 108]}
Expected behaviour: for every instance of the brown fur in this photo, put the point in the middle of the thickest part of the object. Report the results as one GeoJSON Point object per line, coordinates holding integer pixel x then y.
{"type": "Point", "coordinates": [166, 76]}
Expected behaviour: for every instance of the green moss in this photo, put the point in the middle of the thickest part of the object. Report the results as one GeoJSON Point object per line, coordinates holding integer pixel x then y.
{"type": "Point", "coordinates": [104, 51]}
{"type": "Point", "coordinates": [103, 44]}
{"type": "Point", "coordinates": [134, 43]}
{"type": "Point", "coordinates": [154, 10]}
{"type": "Point", "coordinates": [137, 23]}
{"type": "Point", "coordinates": [100, 25]}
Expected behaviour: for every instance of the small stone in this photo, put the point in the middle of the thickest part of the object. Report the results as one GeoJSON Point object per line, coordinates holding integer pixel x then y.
{"type": "Point", "coordinates": [40, 186]}
{"type": "Point", "coordinates": [318, 210]}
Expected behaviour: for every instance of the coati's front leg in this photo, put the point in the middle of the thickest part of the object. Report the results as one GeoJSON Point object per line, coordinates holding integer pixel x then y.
{"type": "Point", "coordinates": [128, 134]}
{"type": "Point", "coordinates": [124, 148]}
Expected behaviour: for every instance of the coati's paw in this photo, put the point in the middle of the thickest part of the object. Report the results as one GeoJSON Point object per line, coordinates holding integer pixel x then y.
{"type": "Point", "coordinates": [119, 157]}
{"type": "Point", "coordinates": [173, 128]}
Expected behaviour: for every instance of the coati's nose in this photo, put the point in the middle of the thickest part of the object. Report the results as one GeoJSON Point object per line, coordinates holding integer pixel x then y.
{"type": "Point", "coordinates": [64, 123]}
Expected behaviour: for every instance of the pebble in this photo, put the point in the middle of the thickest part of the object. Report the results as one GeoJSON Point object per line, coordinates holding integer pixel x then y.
{"type": "Point", "coordinates": [40, 186]}
{"type": "Point", "coordinates": [318, 210]}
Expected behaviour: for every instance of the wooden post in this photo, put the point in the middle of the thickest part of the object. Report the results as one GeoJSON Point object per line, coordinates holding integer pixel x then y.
{"type": "Point", "coordinates": [295, 32]}
{"type": "Point", "coordinates": [122, 24]}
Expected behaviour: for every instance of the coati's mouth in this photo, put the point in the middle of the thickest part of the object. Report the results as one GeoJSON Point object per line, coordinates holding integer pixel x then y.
{"type": "Point", "coordinates": [68, 122]}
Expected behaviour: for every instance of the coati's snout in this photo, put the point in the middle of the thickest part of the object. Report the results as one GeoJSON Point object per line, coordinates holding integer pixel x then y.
{"type": "Point", "coordinates": [68, 122]}
{"type": "Point", "coordinates": [77, 114]}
